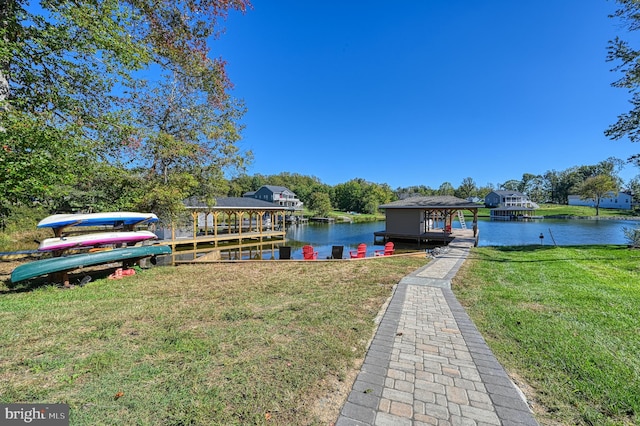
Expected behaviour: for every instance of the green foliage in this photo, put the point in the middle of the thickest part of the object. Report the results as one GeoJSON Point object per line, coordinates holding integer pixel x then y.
{"type": "Point", "coordinates": [446, 189]}
{"type": "Point", "coordinates": [35, 158]}
{"type": "Point", "coordinates": [50, 53]}
{"type": "Point", "coordinates": [361, 196]}
{"type": "Point", "coordinates": [596, 187]}
{"type": "Point", "coordinates": [183, 145]}
{"type": "Point", "coordinates": [74, 105]}
{"type": "Point", "coordinates": [23, 217]}
{"type": "Point", "coordinates": [303, 186]}
{"type": "Point", "coordinates": [467, 188]}
{"type": "Point", "coordinates": [18, 228]}
{"type": "Point", "coordinates": [557, 186]}
{"type": "Point", "coordinates": [633, 236]}
{"type": "Point", "coordinates": [166, 197]}
{"type": "Point", "coordinates": [106, 188]}
{"type": "Point", "coordinates": [410, 191]}
{"type": "Point", "coordinates": [627, 58]}
{"type": "Point", "coordinates": [320, 203]}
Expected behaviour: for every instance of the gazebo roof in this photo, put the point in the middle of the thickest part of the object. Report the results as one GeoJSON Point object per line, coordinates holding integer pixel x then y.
{"type": "Point", "coordinates": [433, 202]}
{"type": "Point", "coordinates": [231, 203]}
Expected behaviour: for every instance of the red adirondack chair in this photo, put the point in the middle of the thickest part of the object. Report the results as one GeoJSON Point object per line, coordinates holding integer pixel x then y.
{"type": "Point", "coordinates": [360, 252]}
{"type": "Point", "coordinates": [308, 253]}
{"type": "Point", "coordinates": [387, 251]}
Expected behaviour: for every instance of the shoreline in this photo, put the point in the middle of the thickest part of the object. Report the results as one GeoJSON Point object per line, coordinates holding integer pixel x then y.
{"type": "Point", "coordinates": [632, 218]}
{"type": "Point", "coordinates": [569, 217]}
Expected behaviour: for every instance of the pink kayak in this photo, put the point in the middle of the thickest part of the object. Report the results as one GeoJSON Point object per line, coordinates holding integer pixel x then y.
{"type": "Point", "coordinates": [95, 239]}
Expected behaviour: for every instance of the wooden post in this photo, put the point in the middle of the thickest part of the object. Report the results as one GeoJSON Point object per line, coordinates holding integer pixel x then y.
{"type": "Point", "coordinates": [62, 277]}
{"type": "Point", "coordinates": [475, 223]}
{"type": "Point", "coordinates": [215, 227]}
{"type": "Point", "coordinates": [259, 223]}
{"type": "Point", "coordinates": [284, 221]}
{"type": "Point", "coordinates": [240, 216]}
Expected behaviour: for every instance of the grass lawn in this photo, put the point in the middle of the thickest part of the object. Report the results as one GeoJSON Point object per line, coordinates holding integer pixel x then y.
{"type": "Point", "coordinates": [565, 211]}
{"type": "Point", "coordinates": [218, 344]}
{"type": "Point", "coordinates": [566, 320]}
{"type": "Point", "coordinates": [280, 342]}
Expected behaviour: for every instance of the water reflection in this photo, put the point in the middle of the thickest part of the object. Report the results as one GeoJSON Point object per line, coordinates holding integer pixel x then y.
{"type": "Point", "coordinates": [562, 232]}
{"type": "Point", "coordinates": [492, 233]}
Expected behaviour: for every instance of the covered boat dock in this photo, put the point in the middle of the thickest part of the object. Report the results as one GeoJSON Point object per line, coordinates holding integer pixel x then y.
{"type": "Point", "coordinates": [230, 224]}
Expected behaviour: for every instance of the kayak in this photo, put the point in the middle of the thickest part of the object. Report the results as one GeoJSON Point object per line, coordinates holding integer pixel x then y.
{"type": "Point", "coordinates": [97, 219]}
{"type": "Point", "coordinates": [69, 263]}
{"type": "Point", "coordinates": [95, 239]}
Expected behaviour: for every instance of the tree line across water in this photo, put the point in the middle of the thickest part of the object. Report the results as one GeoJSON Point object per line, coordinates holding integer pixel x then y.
{"type": "Point", "coordinates": [361, 196]}
{"type": "Point", "coordinates": [120, 190]}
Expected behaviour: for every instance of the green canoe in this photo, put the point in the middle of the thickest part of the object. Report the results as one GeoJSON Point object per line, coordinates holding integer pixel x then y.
{"type": "Point", "coordinates": [69, 263]}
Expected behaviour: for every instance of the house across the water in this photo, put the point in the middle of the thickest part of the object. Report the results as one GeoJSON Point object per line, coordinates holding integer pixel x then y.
{"type": "Point", "coordinates": [278, 195]}
{"type": "Point", "coordinates": [610, 200]}
{"type": "Point", "coordinates": [510, 205]}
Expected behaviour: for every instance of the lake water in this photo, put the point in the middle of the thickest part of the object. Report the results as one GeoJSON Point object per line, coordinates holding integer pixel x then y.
{"type": "Point", "coordinates": [492, 233]}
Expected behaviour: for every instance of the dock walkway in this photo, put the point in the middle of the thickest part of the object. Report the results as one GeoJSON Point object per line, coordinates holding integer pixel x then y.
{"type": "Point", "coordinates": [428, 364]}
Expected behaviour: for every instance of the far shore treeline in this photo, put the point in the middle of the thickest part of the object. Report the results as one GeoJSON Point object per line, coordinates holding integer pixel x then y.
{"type": "Point", "coordinates": [123, 189]}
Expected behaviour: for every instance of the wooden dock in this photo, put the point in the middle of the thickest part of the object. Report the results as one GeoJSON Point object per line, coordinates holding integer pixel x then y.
{"type": "Point", "coordinates": [224, 244]}
{"type": "Point", "coordinates": [432, 237]}
{"type": "Point", "coordinates": [222, 239]}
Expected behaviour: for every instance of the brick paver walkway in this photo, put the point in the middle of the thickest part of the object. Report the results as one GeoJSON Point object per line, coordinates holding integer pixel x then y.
{"type": "Point", "coordinates": [428, 364]}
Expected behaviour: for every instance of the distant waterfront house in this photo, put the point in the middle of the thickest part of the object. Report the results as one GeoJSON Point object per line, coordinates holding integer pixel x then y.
{"type": "Point", "coordinates": [510, 205]}
{"type": "Point", "coordinates": [508, 199]}
{"type": "Point", "coordinates": [611, 200]}
{"type": "Point", "coordinates": [278, 195]}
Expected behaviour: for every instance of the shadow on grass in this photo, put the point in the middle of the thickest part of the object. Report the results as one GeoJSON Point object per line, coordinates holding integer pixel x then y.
{"type": "Point", "coordinates": [549, 249]}
{"type": "Point", "coordinates": [75, 281]}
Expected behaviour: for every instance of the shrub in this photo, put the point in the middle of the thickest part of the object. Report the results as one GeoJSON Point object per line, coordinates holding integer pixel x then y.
{"type": "Point", "coordinates": [633, 236]}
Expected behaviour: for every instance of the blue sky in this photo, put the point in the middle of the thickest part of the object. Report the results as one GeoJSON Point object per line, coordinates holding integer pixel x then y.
{"type": "Point", "coordinates": [420, 92]}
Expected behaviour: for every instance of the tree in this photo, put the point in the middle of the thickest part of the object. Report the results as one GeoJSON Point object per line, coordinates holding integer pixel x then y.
{"type": "Point", "coordinates": [361, 196]}
{"type": "Point", "coordinates": [244, 183]}
{"type": "Point", "coordinates": [596, 187]}
{"type": "Point", "coordinates": [634, 187]}
{"type": "Point", "coordinates": [467, 188]}
{"type": "Point", "coordinates": [348, 195]}
{"type": "Point", "coordinates": [632, 235]}
{"type": "Point", "coordinates": [483, 191]}
{"type": "Point", "coordinates": [50, 51]}
{"type": "Point", "coordinates": [511, 185]}
{"type": "Point", "coordinates": [34, 161]}
{"type": "Point", "coordinates": [628, 63]}
{"type": "Point", "coordinates": [446, 189]}
{"type": "Point", "coordinates": [412, 191]}
{"type": "Point", "coordinates": [536, 191]}
{"type": "Point", "coordinates": [178, 133]}
{"type": "Point", "coordinates": [105, 188]}
{"type": "Point", "coordinates": [50, 78]}
{"type": "Point", "coordinates": [319, 203]}
{"type": "Point", "coordinates": [303, 186]}
{"type": "Point", "coordinates": [374, 195]}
